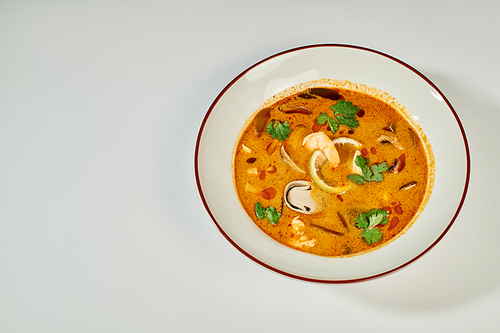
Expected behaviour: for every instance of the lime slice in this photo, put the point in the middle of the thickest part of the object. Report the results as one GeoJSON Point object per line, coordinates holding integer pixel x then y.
{"type": "Point", "coordinates": [343, 140]}
{"type": "Point", "coordinates": [317, 160]}
{"type": "Point", "coordinates": [356, 145]}
{"type": "Point", "coordinates": [355, 167]}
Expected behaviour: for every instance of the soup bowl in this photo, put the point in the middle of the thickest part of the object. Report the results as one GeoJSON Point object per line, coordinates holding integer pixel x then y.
{"type": "Point", "coordinates": [250, 89]}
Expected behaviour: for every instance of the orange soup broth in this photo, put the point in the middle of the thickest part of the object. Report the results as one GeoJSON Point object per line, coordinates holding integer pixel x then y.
{"type": "Point", "coordinates": [341, 210]}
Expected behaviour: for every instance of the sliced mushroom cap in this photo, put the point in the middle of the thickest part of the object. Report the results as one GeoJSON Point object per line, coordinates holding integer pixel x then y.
{"type": "Point", "coordinates": [288, 160]}
{"type": "Point", "coordinates": [391, 128]}
{"type": "Point", "coordinates": [295, 109]}
{"type": "Point", "coordinates": [408, 186]}
{"type": "Point", "coordinates": [399, 164]}
{"type": "Point", "coordinates": [260, 120]}
{"type": "Point", "coordinates": [413, 137]}
{"type": "Point", "coordinates": [390, 139]}
{"type": "Point", "coordinates": [325, 93]}
{"type": "Point", "coordinates": [298, 198]}
{"type": "Point", "coordinates": [322, 92]}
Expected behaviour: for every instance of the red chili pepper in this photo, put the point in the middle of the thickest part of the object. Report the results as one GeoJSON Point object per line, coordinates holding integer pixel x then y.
{"type": "Point", "coordinates": [394, 222]}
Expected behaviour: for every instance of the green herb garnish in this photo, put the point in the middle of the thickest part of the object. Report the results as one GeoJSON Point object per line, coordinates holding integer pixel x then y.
{"type": "Point", "coordinates": [333, 123]}
{"type": "Point", "coordinates": [368, 222]}
{"type": "Point", "coordinates": [260, 211]}
{"type": "Point", "coordinates": [280, 130]}
{"type": "Point", "coordinates": [269, 212]}
{"type": "Point", "coordinates": [344, 113]}
{"type": "Point", "coordinates": [373, 174]}
{"type": "Point", "coordinates": [272, 215]}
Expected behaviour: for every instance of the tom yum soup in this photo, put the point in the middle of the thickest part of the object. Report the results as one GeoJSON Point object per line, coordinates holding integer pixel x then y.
{"type": "Point", "coordinates": [333, 168]}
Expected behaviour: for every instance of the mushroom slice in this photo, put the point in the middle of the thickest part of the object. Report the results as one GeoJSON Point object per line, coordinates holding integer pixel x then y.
{"type": "Point", "coordinates": [328, 231]}
{"type": "Point", "coordinates": [321, 92]}
{"type": "Point", "coordinates": [288, 160]}
{"type": "Point", "coordinates": [399, 164]}
{"type": "Point", "coordinates": [390, 128]}
{"type": "Point", "coordinates": [342, 219]}
{"type": "Point", "coordinates": [298, 198]}
{"type": "Point", "coordinates": [408, 186]}
{"type": "Point", "coordinates": [260, 120]}
{"type": "Point", "coordinates": [325, 93]}
{"type": "Point", "coordinates": [413, 137]}
{"type": "Point", "coordinates": [295, 109]}
{"type": "Point", "coordinates": [306, 95]}
{"type": "Point", "coordinates": [390, 139]}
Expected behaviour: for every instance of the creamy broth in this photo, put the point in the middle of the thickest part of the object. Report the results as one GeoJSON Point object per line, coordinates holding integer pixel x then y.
{"type": "Point", "coordinates": [264, 167]}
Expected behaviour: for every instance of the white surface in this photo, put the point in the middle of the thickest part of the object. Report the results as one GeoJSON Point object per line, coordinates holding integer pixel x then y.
{"type": "Point", "coordinates": [101, 225]}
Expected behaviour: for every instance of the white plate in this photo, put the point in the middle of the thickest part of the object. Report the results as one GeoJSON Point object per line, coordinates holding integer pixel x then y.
{"type": "Point", "coordinates": [242, 96]}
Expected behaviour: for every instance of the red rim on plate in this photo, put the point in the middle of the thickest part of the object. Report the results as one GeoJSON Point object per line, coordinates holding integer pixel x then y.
{"type": "Point", "coordinates": [203, 198]}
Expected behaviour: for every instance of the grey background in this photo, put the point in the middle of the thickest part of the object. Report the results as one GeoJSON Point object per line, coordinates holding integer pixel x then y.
{"type": "Point", "coordinates": [101, 225]}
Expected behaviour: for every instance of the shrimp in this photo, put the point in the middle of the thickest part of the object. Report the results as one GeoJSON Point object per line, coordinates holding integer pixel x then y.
{"type": "Point", "coordinates": [299, 239]}
{"type": "Point", "coordinates": [321, 141]}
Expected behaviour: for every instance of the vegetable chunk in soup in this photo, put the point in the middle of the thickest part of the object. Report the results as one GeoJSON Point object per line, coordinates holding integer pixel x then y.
{"type": "Point", "coordinates": [333, 168]}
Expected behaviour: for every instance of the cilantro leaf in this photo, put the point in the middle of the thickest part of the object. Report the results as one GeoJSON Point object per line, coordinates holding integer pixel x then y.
{"type": "Point", "coordinates": [272, 215]}
{"type": "Point", "coordinates": [371, 218]}
{"type": "Point", "coordinates": [345, 109]}
{"type": "Point", "coordinates": [372, 236]}
{"type": "Point", "coordinates": [322, 118]}
{"type": "Point", "coordinates": [362, 221]}
{"type": "Point", "coordinates": [362, 161]}
{"type": "Point", "coordinates": [283, 130]}
{"type": "Point", "coordinates": [349, 122]}
{"type": "Point", "coordinates": [259, 210]}
{"type": "Point", "coordinates": [368, 174]}
{"type": "Point", "coordinates": [368, 222]}
{"type": "Point", "coordinates": [378, 216]}
{"type": "Point", "coordinates": [269, 212]}
{"type": "Point", "coordinates": [280, 130]}
{"type": "Point", "coordinates": [358, 179]}
{"type": "Point", "coordinates": [344, 114]}
{"type": "Point", "coordinates": [334, 125]}
{"type": "Point", "coordinates": [379, 168]}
